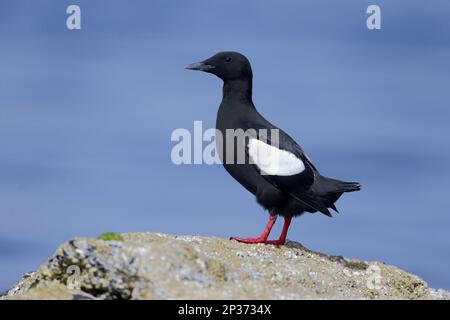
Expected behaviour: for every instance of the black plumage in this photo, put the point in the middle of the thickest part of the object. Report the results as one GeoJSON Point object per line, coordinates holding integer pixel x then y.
{"type": "Point", "coordinates": [287, 191]}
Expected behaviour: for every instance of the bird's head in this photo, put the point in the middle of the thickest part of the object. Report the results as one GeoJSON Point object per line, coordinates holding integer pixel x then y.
{"type": "Point", "coordinates": [226, 65]}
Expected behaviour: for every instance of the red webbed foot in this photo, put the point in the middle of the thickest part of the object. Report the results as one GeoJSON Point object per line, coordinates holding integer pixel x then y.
{"type": "Point", "coordinates": [265, 234]}
{"type": "Point", "coordinates": [249, 240]}
{"type": "Point", "coordinates": [278, 242]}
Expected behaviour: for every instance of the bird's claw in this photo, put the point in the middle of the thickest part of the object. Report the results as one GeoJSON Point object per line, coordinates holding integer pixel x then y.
{"type": "Point", "coordinates": [248, 240]}
{"type": "Point", "coordinates": [258, 240]}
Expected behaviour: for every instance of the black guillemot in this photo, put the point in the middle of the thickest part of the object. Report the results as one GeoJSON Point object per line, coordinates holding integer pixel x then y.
{"type": "Point", "coordinates": [278, 173]}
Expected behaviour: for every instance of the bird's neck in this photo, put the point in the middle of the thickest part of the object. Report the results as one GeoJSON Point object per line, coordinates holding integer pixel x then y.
{"type": "Point", "coordinates": [238, 89]}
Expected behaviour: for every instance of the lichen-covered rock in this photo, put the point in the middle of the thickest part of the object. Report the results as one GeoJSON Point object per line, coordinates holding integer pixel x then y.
{"type": "Point", "coordinates": [159, 266]}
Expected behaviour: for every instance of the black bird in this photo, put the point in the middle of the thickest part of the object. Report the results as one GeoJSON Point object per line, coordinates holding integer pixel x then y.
{"type": "Point", "coordinates": [275, 168]}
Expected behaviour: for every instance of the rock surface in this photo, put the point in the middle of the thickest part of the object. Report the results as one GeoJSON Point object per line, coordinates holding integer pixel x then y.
{"type": "Point", "coordinates": [159, 266]}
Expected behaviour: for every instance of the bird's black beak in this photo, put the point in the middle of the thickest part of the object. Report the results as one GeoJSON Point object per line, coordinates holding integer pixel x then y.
{"type": "Point", "coordinates": [200, 66]}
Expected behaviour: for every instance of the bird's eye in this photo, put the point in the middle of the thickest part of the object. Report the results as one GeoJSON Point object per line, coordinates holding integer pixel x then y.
{"type": "Point", "coordinates": [227, 59]}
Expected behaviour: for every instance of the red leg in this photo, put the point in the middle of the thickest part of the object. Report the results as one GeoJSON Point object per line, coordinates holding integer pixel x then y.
{"type": "Point", "coordinates": [263, 237]}
{"type": "Point", "coordinates": [282, 239]}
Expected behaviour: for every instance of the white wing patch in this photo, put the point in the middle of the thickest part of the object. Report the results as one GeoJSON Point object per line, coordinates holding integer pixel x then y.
{"type": "Point", "coordinates": [273, 161]}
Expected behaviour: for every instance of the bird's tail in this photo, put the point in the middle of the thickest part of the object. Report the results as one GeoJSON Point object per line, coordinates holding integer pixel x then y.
{"type": "Point", "coordinates": [329, 190]}
{"type": "Point", "coordinates": [341, 186]}
{"type": "Point", "coordinates": [328, 185]}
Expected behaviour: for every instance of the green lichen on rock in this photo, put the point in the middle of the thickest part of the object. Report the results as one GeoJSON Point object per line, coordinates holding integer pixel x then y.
{"type": "Point", "coordinates": [110, 236]}
{"type": "Point", "coordinates": [356, 264]}
{"type": "Point", "coordinates": [160, 266]}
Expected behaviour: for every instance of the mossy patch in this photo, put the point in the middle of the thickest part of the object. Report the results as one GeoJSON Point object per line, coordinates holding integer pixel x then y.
{"type": "Point", "coordinates": [110, 236]}
{"type": "Point", "coordinates": [356, 264]}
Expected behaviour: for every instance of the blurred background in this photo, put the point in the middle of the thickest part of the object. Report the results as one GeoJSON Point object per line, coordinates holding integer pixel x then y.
{"type": "Point", "coordinates": [86, 118]}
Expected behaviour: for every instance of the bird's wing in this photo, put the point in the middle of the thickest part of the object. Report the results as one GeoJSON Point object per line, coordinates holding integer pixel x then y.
{"type": "Point", "coordinates": [282, 162]}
